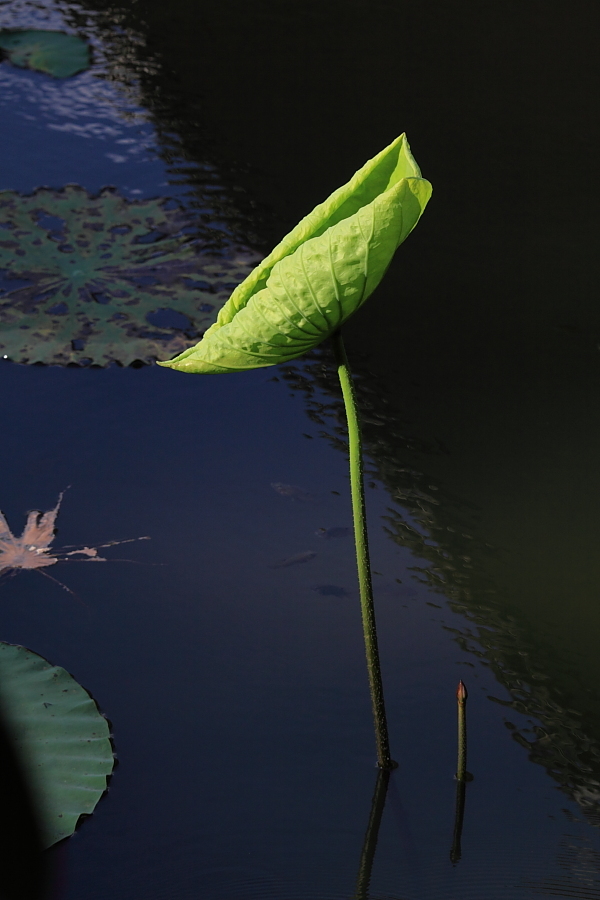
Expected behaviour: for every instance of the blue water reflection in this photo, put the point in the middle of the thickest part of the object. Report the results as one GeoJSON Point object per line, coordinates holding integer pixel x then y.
{"type": "Point", "coordinates": [237, 693]}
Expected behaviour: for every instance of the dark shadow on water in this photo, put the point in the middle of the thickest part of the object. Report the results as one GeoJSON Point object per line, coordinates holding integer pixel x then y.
{"type": "Point", "coordinates": [24, 867]}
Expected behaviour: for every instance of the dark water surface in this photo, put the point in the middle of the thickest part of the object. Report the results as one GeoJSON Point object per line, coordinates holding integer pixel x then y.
{"type": "Point", "coordinates": [227, 656]}
{"type": "Point", "coordinates": [237, 691]}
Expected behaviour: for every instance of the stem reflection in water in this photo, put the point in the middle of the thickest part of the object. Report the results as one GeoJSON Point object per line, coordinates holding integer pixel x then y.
{"type": "Point", "coordinates": [372, 833]}
{"type": "Point", "coordinates": [456, 851]}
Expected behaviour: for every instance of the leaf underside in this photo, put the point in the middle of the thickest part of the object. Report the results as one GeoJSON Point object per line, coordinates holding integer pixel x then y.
{"type": "Point", "coordinates": [320, 273]}
{"type": "Point", "coordinates": [62, 739]}
{"type": "Point", "coordinates": [101, 279]}
{"type": "Point", "coordinates": [52, 52]}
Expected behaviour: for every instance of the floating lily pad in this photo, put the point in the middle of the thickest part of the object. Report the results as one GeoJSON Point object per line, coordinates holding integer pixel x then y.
{"type": "Point", "coordinates": [100, 279]}
{"type": "Point", "coordinates": [62, 739]}
{"type": "Point", "coordinates": [52, 52]}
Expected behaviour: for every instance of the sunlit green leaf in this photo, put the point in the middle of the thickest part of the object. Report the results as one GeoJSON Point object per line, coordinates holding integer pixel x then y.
{"type": "Point", "coordinates": [52, 52]}
{"type": "Point", "coordinates": [62, 739]}
{"type": "Point", "coordinates": [97, 279]}
{"type": "Point", "coordinates": [321, 272]}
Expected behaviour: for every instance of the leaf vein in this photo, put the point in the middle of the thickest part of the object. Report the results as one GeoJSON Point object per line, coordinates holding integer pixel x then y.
{"type": "Point", "coordinates": [255, 308]}
{"type": "Point", "coordinates": [297, 308]}
{"type": "Point", "coordinates": [314, 296]}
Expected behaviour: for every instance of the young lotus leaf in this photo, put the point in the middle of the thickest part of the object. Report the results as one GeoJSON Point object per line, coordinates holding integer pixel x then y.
{"type": "Point", "coordinates": [52, 52]}
{"type": "Point", "coordinates": [98, 279]}
{"type": "Point", "coordinates": [320, 273]}
{"type": "Point", "coordinates": [62, 739]}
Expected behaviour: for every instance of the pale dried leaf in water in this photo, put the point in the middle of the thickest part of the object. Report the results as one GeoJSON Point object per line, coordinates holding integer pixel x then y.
{"type": "Point", "coordinates": [100, 279]}
{"type": "Point", "coordinates": [32, 549]}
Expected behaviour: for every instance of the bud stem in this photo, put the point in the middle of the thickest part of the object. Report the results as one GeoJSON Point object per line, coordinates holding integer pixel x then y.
{"type": "Point", "coordinates": [461, 696]}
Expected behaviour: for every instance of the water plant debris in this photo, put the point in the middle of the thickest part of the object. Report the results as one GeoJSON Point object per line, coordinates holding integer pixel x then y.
{"type": "Point", "coordinates": [32, 549]}
{"type": "Point", "coordinates": [329, 590]}
{"type": "Point", "coordinates": [295, 560]}
{"type": "Point", "coordinates": [94, 280]}
{"type": "Point", "coordinates": [291, 491]}
{"type": "Point", "coordinates": [328, 533]}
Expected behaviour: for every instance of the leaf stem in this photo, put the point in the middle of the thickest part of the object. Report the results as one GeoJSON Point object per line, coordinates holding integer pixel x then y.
{"type": "Point", "coordinates": [384, 760]}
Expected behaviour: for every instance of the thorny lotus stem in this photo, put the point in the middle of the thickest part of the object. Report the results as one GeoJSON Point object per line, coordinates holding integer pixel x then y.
{"type": "Point", "coordinates": [461, 697]}
{"type": "Point", "coordinates": [384, 760]}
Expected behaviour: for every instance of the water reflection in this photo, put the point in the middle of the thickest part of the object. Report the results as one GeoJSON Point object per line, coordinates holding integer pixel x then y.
{"type": "Point", "coordinates": [454, 558]}
{"type": "Point", "coordinates": [459, 815]}
{"type": "Point", "coordinates": [367, 856]}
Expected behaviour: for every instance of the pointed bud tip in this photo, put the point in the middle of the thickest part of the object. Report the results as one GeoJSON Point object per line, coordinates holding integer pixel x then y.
{"type": "Point", "coordinates": [461, 691]}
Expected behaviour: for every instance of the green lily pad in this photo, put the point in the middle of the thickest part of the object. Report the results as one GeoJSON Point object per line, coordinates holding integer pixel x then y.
{"type": "Point", "coordinates": [99, 279]}
{"type": "Point", "coordinates": [62, 739]}
{"type": "Point", "coordinates": [52, 52]}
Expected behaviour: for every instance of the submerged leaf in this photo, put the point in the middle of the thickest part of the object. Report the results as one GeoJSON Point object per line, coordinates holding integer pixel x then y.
{"type": "Point", "coordinates": [320, 273]}
{"type": "Point", "coordinates": [330, 590]}
{"type": "Point", "coordinates": [52, 52]}
{"type": "Point", "coordinates": [295, 560]}
{"type": "Point", "coordinates": [62, 739]}
{"type": "Point", "coordinates": [291, 491]}
{"type": "Point", "coordinates": [100, 279]}
{"type": "Point", "coordinates": [328, 533]}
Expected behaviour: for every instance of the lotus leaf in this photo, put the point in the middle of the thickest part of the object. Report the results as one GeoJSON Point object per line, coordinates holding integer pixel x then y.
{"type": "Point", "coordinates": [98, 279]}
{"type": "Point", "coordinates": [62, 739]}
{"type": "Point", "coordinates": [52, 52]}
{"type": "Point", "coordinates": [320, 273]}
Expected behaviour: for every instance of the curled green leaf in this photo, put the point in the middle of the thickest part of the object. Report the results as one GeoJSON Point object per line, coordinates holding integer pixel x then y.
{"type": "Point", "coordinates": [320, 273]}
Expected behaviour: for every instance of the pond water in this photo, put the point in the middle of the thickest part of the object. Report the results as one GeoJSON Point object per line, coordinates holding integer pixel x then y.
{"type": "Point", "coordinates": [227, 650]}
